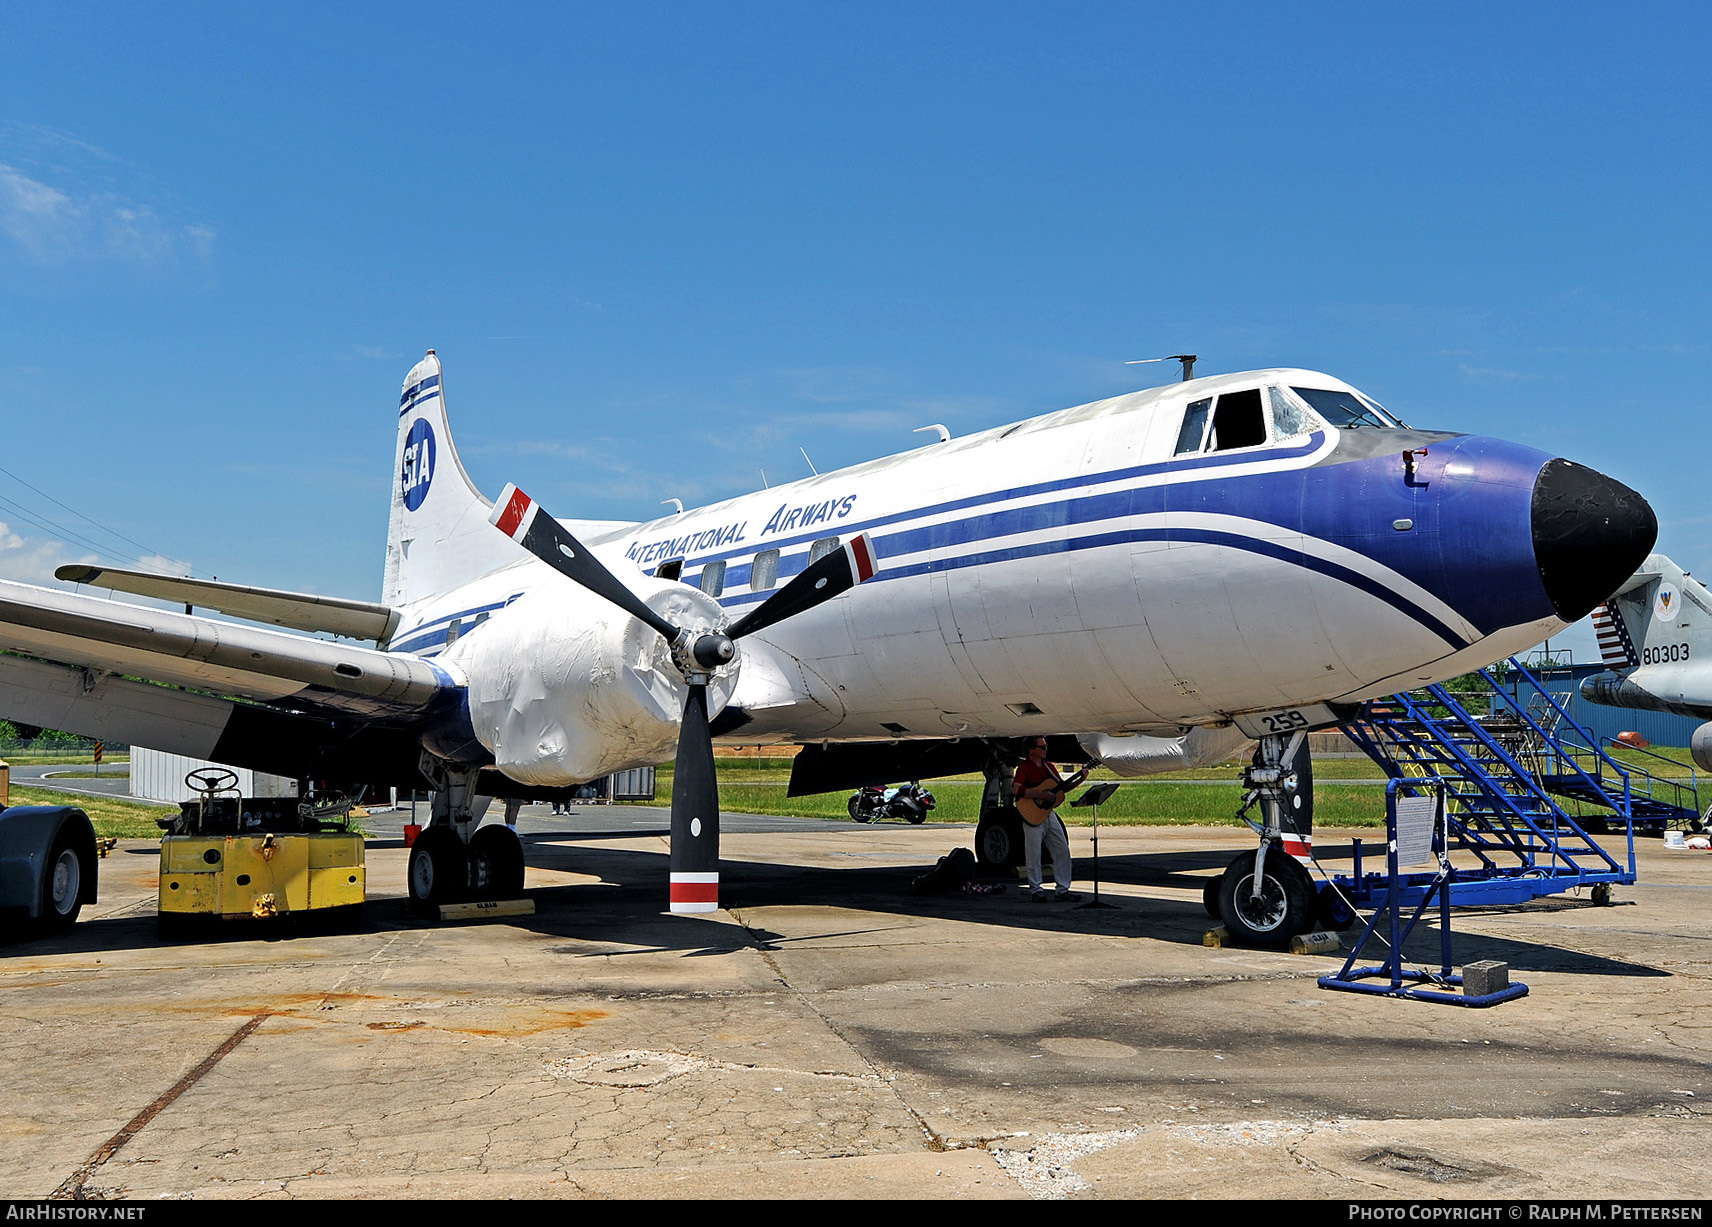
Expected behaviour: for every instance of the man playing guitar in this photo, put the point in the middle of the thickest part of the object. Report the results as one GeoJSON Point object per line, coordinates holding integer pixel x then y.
{"type": "Point", "coordinates": [1039, 790]}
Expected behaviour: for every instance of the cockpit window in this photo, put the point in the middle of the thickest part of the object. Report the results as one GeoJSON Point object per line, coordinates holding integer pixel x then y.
{"type": "Point", "coordinates": [1289, 419]}
{"type": "Point", "coordinates": [1194, 431]}
{"type": "Point", "coordinates": [1237, 422]}
{"type": "Point", "coordinates": [1346, 409]}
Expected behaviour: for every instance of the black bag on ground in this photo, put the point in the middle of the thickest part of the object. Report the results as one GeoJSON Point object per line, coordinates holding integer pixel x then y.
{"type": "Point", "coordinates": [953, 870]}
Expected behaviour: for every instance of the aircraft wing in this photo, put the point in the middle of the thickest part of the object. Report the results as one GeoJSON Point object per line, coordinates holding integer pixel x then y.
{"type": "Point", "coordinates": [247, 696]}
{"type": "Point", "coordinates": [185, 650]}
{"type": "Point", "coordinates": [298, 610]}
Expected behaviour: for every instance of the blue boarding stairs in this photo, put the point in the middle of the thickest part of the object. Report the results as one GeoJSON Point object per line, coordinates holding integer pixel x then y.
{"type": "Point", "coordinates": [1525, 788]}
{"type": "Point", "coordinates": [1516, 789]}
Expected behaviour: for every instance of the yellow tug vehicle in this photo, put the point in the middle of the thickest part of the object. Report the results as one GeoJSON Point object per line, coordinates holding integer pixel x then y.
{"type": "Point", "coordinates": [228, 857]}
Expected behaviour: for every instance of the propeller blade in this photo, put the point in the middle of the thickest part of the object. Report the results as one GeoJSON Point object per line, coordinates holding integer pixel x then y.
{"type": "Point", "coordinates": [839, 571]}
{"type": "Point", "coordinates": [695, 811]}
{"type": "Point", "coordinates": [523, 520]}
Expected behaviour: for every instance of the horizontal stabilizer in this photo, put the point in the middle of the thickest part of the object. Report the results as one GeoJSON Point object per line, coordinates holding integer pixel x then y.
{"type": "Point", "coordinates": [298, 610]}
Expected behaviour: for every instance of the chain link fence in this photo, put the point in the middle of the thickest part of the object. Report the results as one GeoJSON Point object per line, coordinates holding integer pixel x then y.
{"type": "Point", "coordinates": [59, 748]}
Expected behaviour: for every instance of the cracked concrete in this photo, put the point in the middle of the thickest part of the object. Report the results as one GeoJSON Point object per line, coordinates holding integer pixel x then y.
{"type": "Point", "coordinates": [833, 1036]}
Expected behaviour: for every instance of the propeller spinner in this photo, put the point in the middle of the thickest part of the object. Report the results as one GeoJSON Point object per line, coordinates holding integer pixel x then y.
{"type": "Point", "coordinates": [696, 652]}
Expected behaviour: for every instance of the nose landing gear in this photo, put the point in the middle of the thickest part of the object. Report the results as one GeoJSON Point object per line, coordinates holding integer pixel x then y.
{"type": "Point", "coordinates": [1266, 897]}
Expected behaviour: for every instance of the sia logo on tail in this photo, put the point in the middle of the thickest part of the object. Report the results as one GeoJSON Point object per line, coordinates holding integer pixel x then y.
{"type": "Point", "coordinates": [418, 468]}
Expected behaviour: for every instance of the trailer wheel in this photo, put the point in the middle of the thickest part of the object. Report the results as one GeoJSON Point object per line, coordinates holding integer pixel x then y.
{"type": "Point", "coordinates": [62, 884]}
{"type": "Point", "coordinates": [1285, 906]}
{"type": "Point", "coordinates": [496, 863]}
{"type": "Point", "coordinates": [1333, 910]}
{"type": "Point", "coordinates": [439, 867]}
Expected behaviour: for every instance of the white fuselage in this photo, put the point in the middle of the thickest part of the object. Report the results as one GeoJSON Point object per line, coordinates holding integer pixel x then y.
{"type": "Point", "coordinates": [1069, 574]}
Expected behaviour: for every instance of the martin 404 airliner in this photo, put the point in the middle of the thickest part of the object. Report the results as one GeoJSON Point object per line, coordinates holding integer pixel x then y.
{"type": "Point", "coordinates": [1162, 575]}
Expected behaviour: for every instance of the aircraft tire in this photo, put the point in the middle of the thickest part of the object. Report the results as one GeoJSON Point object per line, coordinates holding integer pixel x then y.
{"type": "Point", "coordinates": [998, 842]}
{"type": "Point", "coordinates": [62, 882]}
{"type": "Point", "coordinates": [1285, 908]}
{"type": "Point", "coordinates": [1210, 897]}
{"type": "Point", "coordinates": [496, 863]}
{"type": "Point", "coordinates": [439, 868]}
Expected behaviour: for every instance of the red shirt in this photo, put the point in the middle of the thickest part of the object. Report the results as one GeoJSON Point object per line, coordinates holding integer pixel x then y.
{"type": "Point", "coordinates": [1030, 776]}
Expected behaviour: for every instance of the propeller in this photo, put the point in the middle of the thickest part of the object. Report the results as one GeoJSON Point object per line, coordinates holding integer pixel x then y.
{"type": "Point", "coordinates": [696, 652]}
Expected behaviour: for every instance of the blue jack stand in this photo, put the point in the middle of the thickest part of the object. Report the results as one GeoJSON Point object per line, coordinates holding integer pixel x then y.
{"type": "Point", "coordinates": [1395, 979]}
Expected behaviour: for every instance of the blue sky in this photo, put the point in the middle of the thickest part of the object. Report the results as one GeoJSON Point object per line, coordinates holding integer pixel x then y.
{"type": "Point", "coordinates": [661, 247]}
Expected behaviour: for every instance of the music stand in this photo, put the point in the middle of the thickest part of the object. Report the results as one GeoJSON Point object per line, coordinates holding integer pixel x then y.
{"type": "Point", "coordinates": [1095, 797]}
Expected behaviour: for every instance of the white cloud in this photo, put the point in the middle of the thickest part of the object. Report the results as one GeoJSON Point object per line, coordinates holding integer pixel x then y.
{"type": "Point", "coordinates": [32, 560]}
{"type": "Point", "coordinates": [64, 200]}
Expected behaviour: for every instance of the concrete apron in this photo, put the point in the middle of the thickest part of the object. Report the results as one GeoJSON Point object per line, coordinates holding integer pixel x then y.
{"type": "Point", "coordinates": [829, 1035]}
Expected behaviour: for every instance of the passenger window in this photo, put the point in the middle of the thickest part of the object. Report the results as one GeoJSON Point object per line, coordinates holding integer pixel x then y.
{"type": "Point", "coordinates": [1190, 438]}
{"type": "Point", "coordinates": [713, 578]}
{"type": "Point", "coordinates": [1238, 422]}
{"type": "Point", "coordinates": [820, 549]}
{"type": "Point", "coordinates": [669, 570]}
{"type": "Point", "coordinates": [1289, 419]}
{"type": "Point", "coordinates": [764, 571]}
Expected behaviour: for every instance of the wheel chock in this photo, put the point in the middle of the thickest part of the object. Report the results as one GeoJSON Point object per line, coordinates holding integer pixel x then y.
{"type": "Point", "coordinates": [481, 909]}
{"type": "Point", "coordinates": [1217, 939]}
{"type": "Point", "coordinates": [1319, 942]}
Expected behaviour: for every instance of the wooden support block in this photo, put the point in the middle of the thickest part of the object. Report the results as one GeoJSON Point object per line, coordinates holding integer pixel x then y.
{"type": "Point", "coordinates": [1319, 942]}
{"type": "Point", "coordinates": [484, 908]}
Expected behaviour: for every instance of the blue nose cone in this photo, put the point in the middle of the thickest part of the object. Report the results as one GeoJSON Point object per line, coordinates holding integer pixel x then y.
{"type": "Point", "coordinates": [1590, 533]}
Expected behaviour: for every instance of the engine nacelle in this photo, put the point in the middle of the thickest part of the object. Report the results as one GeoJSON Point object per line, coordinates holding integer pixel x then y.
{"type": "Point", "coordinates": [1142, 755]}
{"type": "Point", "coordinates": [564, 687]}
{"type": "Point", "coordinates": [1700, 746]}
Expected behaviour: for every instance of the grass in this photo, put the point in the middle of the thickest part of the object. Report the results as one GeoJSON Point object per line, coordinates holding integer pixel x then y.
{"type": "Point", "coordinates": [1175, 799]}
{"type": "Point", "coordinates": [111, 816]}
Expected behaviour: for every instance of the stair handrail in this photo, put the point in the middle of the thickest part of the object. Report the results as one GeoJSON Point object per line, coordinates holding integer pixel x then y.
{"type": "Point", "coordinates": [1443, 696]}
{"type": "Point", "coordinates": [1692, 787]}
{"type": "Point", "coordinates": [1523, 850]}
{"type": "Point", "coordinates": [1627, 810]}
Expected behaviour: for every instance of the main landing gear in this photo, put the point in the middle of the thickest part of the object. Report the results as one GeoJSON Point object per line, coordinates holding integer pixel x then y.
{"type": "Point", "coordinates": [453, 861]}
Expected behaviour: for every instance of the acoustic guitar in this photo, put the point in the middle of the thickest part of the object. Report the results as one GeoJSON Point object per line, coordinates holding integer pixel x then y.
{"type": "Point", "coordinates": [1034, 812]}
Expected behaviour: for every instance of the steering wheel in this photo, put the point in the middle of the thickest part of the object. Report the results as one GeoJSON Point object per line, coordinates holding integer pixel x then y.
{"type": "Point", "coordinates": [209, 780]}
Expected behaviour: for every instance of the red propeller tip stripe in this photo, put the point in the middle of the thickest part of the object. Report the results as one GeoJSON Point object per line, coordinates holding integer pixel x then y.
{"type": "Point", "coordinates": [862, 554]}
{"type": "Point", "coordinates": [512, 520]}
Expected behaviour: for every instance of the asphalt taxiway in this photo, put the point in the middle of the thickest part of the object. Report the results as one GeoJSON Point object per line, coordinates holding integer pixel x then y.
{"type": "Point", "coordinates": [829, 1034]}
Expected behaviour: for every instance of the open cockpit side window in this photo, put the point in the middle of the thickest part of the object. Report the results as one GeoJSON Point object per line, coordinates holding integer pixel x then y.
{"type": "Point", "coordinates": [1236, 420]}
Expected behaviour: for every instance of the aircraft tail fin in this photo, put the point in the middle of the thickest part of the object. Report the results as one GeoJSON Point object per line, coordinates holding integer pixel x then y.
{"type": "Point", "coordinates": [438, 535]}
{"type": "Point", "coordinates": [1659, 616]}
